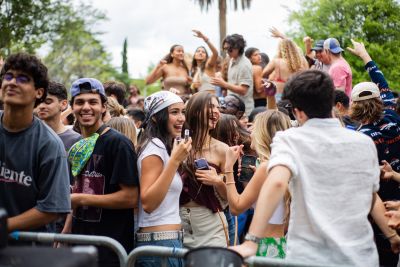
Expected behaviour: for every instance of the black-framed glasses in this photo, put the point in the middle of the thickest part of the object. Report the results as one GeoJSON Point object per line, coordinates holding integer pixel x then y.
{"type": "Point", "coordinates": [20, 78]}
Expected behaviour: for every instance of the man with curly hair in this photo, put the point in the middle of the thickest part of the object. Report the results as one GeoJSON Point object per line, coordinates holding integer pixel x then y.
{"type": "Point", "coordinates": [34, 181]}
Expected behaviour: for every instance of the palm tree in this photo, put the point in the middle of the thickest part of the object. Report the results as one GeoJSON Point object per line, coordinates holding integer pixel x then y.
{"type": "Point", "coordinates": [205, 4]}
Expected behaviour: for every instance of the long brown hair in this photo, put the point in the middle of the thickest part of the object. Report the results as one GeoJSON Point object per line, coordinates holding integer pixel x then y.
{"type": "Point", "coordinates": [198, 114]}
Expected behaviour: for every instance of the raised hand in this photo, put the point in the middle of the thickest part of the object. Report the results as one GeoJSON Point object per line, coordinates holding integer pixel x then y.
{"type": "Point", "coordinates": [180, 150]}
{"type": "Point", "coordinates": [199, 34]}
{"type": "Point", "coordinates": [360, 51]}
{"type": "Point", "coordinates": [276, 33]}
{"type": "Point", "coordinates": [232, 155]}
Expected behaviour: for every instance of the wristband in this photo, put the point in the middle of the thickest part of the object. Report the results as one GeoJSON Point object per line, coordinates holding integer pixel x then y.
{"type": "Point", "coordinates": [252, 238]}
{"type": "Point", "coordinates": [228, 172]}
{"type": "Point", "coordinates": [228, 183]}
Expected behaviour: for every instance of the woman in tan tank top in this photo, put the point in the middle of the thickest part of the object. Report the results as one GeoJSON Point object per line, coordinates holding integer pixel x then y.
{"type": "Point", "coordinates": [173, 70]}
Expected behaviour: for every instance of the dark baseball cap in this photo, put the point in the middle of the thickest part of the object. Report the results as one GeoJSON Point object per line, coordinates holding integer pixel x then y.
{"type": "Point", "coordinates": [87, 84]}
{"type": "Point", "coordinates": [318, 46]}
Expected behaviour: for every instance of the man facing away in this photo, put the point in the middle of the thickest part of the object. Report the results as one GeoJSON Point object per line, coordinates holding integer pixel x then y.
{"type": "Point", "coordinates": [105, 189]}
{"type": "Point", "coordinates": [332, 190]}
{"type": "Point", "coordinates": [34, 184]}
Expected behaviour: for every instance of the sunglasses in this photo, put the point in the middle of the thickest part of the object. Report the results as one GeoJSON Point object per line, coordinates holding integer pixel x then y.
{"type": "Point", "coordinates": [228, 49]}
{"type": "Point", "coordinates": [228, 104]}
{"type": "Point", "coordinates": [20, 78]}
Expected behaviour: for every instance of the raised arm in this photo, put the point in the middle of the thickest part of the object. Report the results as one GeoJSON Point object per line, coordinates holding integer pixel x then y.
{"type": "Point", "coordinates": [375, 74]}
{"type": "Point", "coordinates": [276, 33]}
{"type": "Point", "coordinates": [214, 52]}
{"type": "Point", "coordinates": [156, 73]}
{"type": "Point", "coordinates": [272, 191]}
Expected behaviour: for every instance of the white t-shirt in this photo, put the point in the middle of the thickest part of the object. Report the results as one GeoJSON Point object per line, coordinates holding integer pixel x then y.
{"type": "Point", "coordinates": [335, 172]}
{"type": "Point", "coordinates": [168, 211]}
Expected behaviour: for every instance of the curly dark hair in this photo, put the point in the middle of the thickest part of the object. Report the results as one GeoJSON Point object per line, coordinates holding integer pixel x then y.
{"type": "Point", "coordinates": [30, 65]}
{"type": "Point", "coordinates": [235, 41]}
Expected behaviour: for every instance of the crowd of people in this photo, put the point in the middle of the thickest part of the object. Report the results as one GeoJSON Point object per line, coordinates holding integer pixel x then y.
{"type": "Point", "coordinates": [281, 158]}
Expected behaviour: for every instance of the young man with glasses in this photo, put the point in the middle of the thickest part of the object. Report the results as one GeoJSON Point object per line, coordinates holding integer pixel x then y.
{"type": "Point", "coordinates": [240, 72]}
{"type": "Point", "coordinates": [34, 180]}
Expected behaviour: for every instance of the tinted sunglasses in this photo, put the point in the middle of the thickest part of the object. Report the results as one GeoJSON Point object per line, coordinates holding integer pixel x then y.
{"type": "Point", "coordinates": [20, 78]}
{"type": "Point", "coordinates": [228, 49]}
{"type": "Point", "coordinates": [228, 104]}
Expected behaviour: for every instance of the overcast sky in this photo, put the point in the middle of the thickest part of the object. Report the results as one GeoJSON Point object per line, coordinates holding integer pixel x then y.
{"type": "Point", "coordinates": [153, 26]}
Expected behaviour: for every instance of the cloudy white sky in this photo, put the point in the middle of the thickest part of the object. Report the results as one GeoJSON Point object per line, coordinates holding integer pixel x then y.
{"type": "Point", "coordinates": [153, 26]}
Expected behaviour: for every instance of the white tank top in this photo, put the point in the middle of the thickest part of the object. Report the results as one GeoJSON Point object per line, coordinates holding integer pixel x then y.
{"type": "Point", "coordinates": [279, 214]}
{"type": "Point", "coordinates": [168, 211]}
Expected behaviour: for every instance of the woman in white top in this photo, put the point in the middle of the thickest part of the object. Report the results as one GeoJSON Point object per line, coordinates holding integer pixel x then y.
{"type": "Point", "coordinates": [266, 124]}
{"type": "Point", "coordinates": [203, 66]}
{"type": "Point", "coordinates": [161, 150]}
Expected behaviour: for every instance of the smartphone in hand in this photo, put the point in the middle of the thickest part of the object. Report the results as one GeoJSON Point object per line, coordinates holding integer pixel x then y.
{"type": "Point", "coordinates": [246, 172]}
{"type": "Point", "coordinates": [201, 164]}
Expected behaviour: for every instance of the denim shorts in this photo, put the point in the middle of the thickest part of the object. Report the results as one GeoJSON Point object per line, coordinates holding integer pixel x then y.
{"type": "Point", "coordinates": [152, 261]}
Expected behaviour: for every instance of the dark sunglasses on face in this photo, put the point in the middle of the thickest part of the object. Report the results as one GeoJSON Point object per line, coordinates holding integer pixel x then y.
{"type": "Point", "coordinates": [228, 49]}
{"type": "Point", "coordinates": [20, 78]}
{"type": "Point", "coordinates": [228, 104]}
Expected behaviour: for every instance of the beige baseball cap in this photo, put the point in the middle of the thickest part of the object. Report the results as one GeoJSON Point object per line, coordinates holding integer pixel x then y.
{"type": "Point", "coordinates": [364, 91]}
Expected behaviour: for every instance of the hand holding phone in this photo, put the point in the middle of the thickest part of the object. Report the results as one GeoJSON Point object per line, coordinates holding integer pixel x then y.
{"type": "Point", "coordinates": [187, 135]}
{"type": "Point", "coordinates": [246, 172]}
{"type": "Point", "coordinates": [201, 164]}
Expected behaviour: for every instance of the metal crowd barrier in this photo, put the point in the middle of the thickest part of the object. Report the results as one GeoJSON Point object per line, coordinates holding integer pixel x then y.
{"type": "Point", "coordinates": [156, 251]}
{"type": "Point", "coordinates": [74, 239]}
{"type": "Point", "coordinates": [267, 262]}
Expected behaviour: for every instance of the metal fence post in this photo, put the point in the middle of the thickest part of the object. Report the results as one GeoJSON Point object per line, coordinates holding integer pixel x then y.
{"type": "Point", "coordinates": [74, 239]}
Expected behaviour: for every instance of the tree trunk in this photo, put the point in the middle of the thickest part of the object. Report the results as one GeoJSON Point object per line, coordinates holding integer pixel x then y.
{"type": "Point", "coordinates": [222, 23]}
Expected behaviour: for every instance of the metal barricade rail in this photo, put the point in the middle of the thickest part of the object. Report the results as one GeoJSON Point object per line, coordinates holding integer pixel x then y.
{"type": "Point", "coordinates": [269, 262]}
{"type": "Point", "coordinates": [156, 251]}
{"type": "Point", "coordinates": [74, 239]}
{"type": "Point", "coordinates": [255, 261]}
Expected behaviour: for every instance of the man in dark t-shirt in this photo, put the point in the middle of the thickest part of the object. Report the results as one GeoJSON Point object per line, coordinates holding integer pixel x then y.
{"type": "Point", "coordinates": [105, 190]}
{"type": "Point", "coordinates": [50, 111]}
{"type": "Point", "coordinates": [34, 185]}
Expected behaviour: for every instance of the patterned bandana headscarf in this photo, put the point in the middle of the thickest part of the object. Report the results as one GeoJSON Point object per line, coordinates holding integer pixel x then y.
{"type": "Point", "coordinates": [158, 101]}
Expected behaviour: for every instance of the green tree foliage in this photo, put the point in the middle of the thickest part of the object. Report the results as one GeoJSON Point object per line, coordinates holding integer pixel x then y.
{"type": "Point", "coordinates": [27, 24]}
{"type": "Point", "coordinates": [125, 56]}
{"type": "Point", "coordinates": [76, 52]}
{"type": "Point", "coordinates": [374, 22]}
